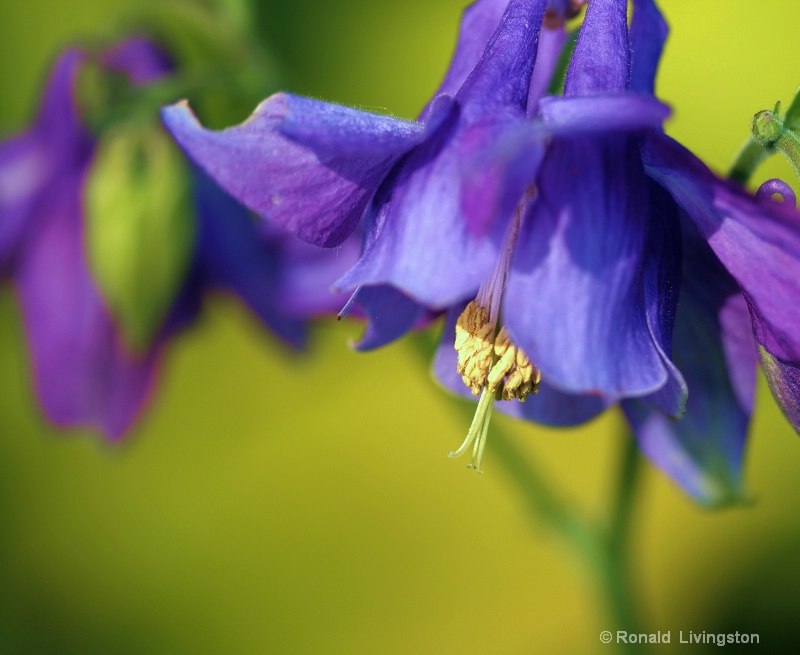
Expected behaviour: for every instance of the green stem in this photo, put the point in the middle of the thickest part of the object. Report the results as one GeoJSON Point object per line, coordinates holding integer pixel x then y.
{"type": "Point", "coordinates": [748, 159]}
{"type": "Point", "coordinates": [788, 144]}
{"type": "Point", "coordinates": [630, 467]}
{"type": "Point", "coordinates": [616, 574]}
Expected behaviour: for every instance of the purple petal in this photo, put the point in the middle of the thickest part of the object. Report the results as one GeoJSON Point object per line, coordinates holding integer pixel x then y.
{"type": "Point", "coordinates": [551, 43]}
{"type": "Point", "coordinates": [391, 315]}
{"type": "Point", "coordinates": [230, 255]}
{"type": "Point", "coordinates": [715, 350]}
{"type": "Point", "coordinates": [548, 407]}
{"type": "Point", "coordinates": [310, 166]}
{"type": "Point", "coordinates": [28, 162]}
{"type": "Point", "coordinates": [601, 61]}
{"type": "Point", "coordinates": [478, 24]}
{"type": "Point", "coordinates": [758, 241]}
{"type": "Point", "coordinates": [662, 283]}
{"type": "Point", "coordinates": [502, 76]}
{"type": "Point", "coordinates": [58, 122]}
{"type": "Point", "coordinates": [499, 174]}
{"type": "Point", "coordinates": [419, 242]}
{"type": "Point", "coordinates": [83, 375]}
{"type": "Point", "coordinates": [647, 35]}
{"type": "Point", "coordinates": [625, 112]}
{"type": "Point", "coordinates": [575, 301]}
{"type": "Point", "coordinates": [24, 172]}
{"type": "Point", "coordinates": [309, 272]}
{"type": "Point", "coordinates": [784, 382]}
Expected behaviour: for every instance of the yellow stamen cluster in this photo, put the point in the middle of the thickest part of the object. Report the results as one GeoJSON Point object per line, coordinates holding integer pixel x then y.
{"type": "Point", "coordinates": [492, 362]}
{"type": "Point", "coordinates": [474, 344]}
{"type": "Point", "coordinates": [513, 370]}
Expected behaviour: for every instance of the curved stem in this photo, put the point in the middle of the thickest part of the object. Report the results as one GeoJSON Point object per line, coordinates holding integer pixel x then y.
{"type": "Point", "coordinates": [748, 159]}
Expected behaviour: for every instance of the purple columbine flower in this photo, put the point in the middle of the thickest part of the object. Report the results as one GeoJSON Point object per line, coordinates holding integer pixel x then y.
{"type": "Point", "coordinates": [318, 169]}
{"type": "Point", "coordinates": [573, 245]}
{"type": "Point", "coordinates": [85, 374]}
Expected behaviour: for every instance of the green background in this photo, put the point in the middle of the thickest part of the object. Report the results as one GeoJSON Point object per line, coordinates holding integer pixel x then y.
{"type": "Point", "coordinates": [274, 503]}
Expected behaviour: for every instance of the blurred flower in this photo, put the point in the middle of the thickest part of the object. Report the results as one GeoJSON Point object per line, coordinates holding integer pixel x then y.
{"type": "Point", "coordinates": [102, 291]}
{"type": "Point", "coordinates": [563, 218]}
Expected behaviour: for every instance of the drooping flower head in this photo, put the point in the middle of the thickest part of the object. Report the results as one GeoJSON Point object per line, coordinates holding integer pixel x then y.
{"type": "Point", "coordinates": [556, 233]}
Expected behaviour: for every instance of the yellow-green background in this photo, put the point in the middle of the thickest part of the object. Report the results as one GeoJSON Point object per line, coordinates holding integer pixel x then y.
{"type": "Point", "coordinates": [270, 503]}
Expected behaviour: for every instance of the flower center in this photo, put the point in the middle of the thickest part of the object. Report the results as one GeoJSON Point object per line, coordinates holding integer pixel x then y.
{"type": "Point", "coordinates": [491, 365]}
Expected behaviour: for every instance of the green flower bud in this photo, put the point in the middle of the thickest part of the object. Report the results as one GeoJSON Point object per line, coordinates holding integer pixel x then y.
{"type": "Point", "coordinates": [767, 127]}
{"type": "Point", "coordinates": [140, 228]}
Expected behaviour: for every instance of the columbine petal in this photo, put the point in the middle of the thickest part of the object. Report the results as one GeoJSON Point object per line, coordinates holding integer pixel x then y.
{"type": "Point", "coordinates": [600, 63]}
{"type": "Point", "coordinates": [419, 243]}
{"type": "Point", "coordinates": [715, 350]}
{"type": "Point", "coordinates": [308, 272]}
{"type": "Point", "coordinates": [56, 141]}
{"type": "Point", "coordinates": [391, 314]}
{"type": "Point", "coordinates": [58, 123]}
{"type": "Point", "coordinates": [479, 22]}
{"type": "Point", "coordinates": [308, 165]}
{"type": "Point", "coordinates": [496, 179]}
{"type": "Point", "coordinates": [662, 282]}
{"type": "Point", "coordinates": [585, 325]}
{"type": "Point", "coordinates": [549, 407]}
{"type": "Point", "coordinates": [502, 76]}
{"type": "Point", "coordinates": [758, 241]}
{"type": "Point", "coordinates": [647, 36]}
{"type": "Point", "coordinates": [551, 43]}
{"type": "Point", "coordinates": [83, 375]}
{"type": "Point", "coordinates": [231, 256]}
{"type": "Point", "coordinates": [784, 382]}
{"type": "Point", "coordinates": [597, 114]}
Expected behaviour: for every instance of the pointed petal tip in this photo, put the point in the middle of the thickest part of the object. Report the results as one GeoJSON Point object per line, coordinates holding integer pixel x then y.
{"type": "Point", "coordinates": [178, 112]}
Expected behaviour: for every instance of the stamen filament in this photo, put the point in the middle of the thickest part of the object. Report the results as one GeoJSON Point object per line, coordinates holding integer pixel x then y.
{"type": "Point", "coordinates": [480, 442]}
{"type": "Point", "coordinates": [479, 428]}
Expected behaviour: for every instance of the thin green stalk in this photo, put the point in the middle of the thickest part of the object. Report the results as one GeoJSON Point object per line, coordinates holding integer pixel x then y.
{"type": "Point", "coordinates": [616, 574]}
{"type": "Point", "coordinates": [748, 159]}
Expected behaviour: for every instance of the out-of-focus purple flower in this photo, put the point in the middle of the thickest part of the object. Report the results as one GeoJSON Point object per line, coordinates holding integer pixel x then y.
{"type": "Point", "coordinates": [570, 220]}
{"type": "Point", "coordinates": [81, 372]}
{"type": "Point", "coordinates": [84, 371]}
